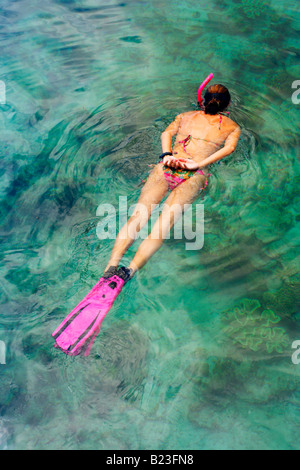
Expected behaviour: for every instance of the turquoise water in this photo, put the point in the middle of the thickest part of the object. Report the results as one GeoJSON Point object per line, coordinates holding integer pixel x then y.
{"type": "Point", "coordinates": [196, 353]}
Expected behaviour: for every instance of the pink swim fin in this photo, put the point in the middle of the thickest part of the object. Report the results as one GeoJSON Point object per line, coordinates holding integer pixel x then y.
{"type": "Point", "coordinates": [78, 331]}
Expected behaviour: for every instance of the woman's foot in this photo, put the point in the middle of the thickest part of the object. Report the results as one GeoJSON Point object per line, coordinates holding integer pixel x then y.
{"type": "Point", "coordinates": [111, 271]}
{"type": "Point", "coordinates": [125, 273]}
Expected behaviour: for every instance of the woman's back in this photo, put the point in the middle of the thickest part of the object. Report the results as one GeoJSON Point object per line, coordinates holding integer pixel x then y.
{"type": "Point", "coordinates": [201, 134]}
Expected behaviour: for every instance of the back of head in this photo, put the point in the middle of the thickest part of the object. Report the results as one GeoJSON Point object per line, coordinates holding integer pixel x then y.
{"type": "Point", "coordinates": [216, 99]}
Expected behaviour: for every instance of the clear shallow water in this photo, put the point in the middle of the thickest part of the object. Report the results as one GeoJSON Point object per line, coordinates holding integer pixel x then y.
{"type": "Point", "coordinates": [183, 361]}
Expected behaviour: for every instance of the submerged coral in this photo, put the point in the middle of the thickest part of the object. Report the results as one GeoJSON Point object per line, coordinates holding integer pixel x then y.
{"type": "Point", "coordinates": [284, 301]}
{"type": "Point", "coordinates": [253, 330]}
{"type": "Point", "coordinates": [253, 8]}
{"type": "Point", "coordinates": [219, 381]}
{"type": "Point", "coordinates": [123, 367]}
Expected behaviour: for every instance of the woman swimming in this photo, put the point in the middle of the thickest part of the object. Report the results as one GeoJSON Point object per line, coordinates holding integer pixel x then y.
{"type": "Point", "coordinates": [183, 171]}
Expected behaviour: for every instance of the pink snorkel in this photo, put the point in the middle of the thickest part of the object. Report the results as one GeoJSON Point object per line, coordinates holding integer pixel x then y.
{"type": "Point", "coordinates": [202, 86]}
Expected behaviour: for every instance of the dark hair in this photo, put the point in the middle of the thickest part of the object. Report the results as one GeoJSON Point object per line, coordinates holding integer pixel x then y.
{"type": "Point", "coordinates": [216, 99]}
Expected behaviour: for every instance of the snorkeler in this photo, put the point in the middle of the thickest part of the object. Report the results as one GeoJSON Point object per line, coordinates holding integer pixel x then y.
{"type": "Point", "coordinates": [202, 138]}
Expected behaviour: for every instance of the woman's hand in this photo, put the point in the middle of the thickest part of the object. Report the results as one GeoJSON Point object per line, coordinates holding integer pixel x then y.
{"type": "Point", "coordinates": [180, 163]}
{"type": "Point", "coordinates": [172, 162]}
{"type": "Point", "coordinates": [188, 164]}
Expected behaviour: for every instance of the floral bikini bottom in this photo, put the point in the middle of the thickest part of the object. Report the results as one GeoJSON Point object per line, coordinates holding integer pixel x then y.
{"type": "Point", "coordinates": [175, 177]}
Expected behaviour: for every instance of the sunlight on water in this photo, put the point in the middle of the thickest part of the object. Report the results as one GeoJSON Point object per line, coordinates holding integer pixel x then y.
{"type": "Point", "coordinates": [196, 353]}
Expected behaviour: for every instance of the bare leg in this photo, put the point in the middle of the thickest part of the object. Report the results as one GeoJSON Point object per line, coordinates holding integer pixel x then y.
{"type": "Point", "coordinates": [152, 193]}
{"type": "Point", "coordinates": [186, 193]}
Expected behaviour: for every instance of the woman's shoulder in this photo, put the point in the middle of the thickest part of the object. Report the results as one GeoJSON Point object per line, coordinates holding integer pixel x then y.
{"type": "Point", "coordinates": [184, 117]}
{"type": "Point", "coordinates": [188, 113]}
{"type": "Point", "coordinates": [230, 122]}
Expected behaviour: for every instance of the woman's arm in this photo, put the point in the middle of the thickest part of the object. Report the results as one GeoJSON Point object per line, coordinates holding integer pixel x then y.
{"type": "Point", "coordinates": [166, 137]}
{"type": "Point", "coordinates": [188, 164]}
{"type": "Point", "coordinates": [229, 147]}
